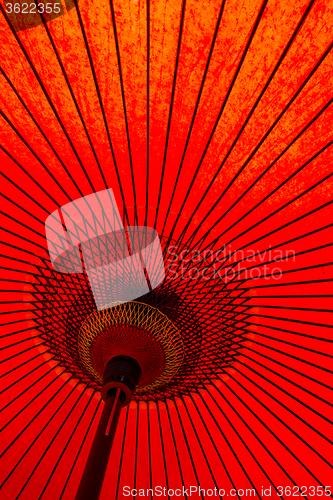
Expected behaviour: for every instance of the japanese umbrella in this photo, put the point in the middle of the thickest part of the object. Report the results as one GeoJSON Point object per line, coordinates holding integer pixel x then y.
{"type": "Point", "coordinates": [211, 122]}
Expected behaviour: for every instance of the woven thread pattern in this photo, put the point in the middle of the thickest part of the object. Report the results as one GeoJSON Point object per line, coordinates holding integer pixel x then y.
{"type": "Point", "coordinates": [143, 316]}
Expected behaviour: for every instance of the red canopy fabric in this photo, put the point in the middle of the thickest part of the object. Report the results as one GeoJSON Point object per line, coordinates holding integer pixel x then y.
{"type": "Point", "coordinates": [211, 121]}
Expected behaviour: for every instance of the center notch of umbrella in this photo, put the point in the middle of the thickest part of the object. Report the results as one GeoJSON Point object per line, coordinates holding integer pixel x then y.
{"type": "Point", "coordinates": [121, 372]}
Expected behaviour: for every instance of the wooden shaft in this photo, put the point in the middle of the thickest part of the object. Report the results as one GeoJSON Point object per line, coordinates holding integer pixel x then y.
{"type": "Point", "coordinates": [93, 474]}
{"type": "Point", "coordinates": [121, 377]}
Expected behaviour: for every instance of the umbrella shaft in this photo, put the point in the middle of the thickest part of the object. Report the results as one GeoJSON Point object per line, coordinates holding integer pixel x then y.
{"type": "Point", "coordinates": [93, 474]}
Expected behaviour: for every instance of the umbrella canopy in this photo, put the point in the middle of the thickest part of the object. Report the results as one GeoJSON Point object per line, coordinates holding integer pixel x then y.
{"type": "Point", "coordinates": [211, 122]}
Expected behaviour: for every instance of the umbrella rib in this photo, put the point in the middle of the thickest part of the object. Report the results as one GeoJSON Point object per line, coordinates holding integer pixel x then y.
{"type": "Point", "coordinates": [248, 427]}
{"type": "Point", "coordinates": [18, 331]}
{"type": "Point", "coordinates": [283, 243]}
{"type": "Point", "coordinates": [41, 85]}
{"type": "Point", "coordinates": [36, 415]}
{"type": "Point", "coordinates": [13, 312]}
{"type": "Point", "coordinates": [282, 284]}
{"type": "Point", "coordinates": [77, 109]}
{"type": "Point", "coordinates": [25, 375]}
{"type": "Point", "coordinates": [292, 382]}
{"type": "Point", "coordinates": [93, 71]}
{"type": "Point", "coordinates": [25, 390]}
{"type": "Point", "coordinates": [225, 439]}
{"type": "Point", "coordinates": [273, 163]}
{"type": "Point", "coordinates": [122, 452]}
{"type": "Point", "coordinates": [149, 451]}
{"type": "Point", "coordinates": [307, 268]}
{"type": "Point", "coordinates": [26, 406]}
{"type": "Point", "coordinates": [328, 280]}
{"type": "Point", "coordinates": [237, 434]}
{"type": "Point", "coordinates": [290, 395]}
{"type": "Point", "coordinates": [162, 446]}
{"type": "Point", "coordinates": [148, 111]}
{"type": "Point", "coordinates": [21, 208]}
{"type": "Point", "coordinates": [22, 190]}
{"type": "Point", "coordinates": [31, 177]}
{"type": "Point", "coordinates": [254, 226]}
{"type": "Point", "coordinates": [103, 228]}
{"type": "Point", "coordinates": [275, 260]}
{"type": "Point", "coordinates": [136, 443]}
{"type": "Point", "coordinates": [294, 199]}
{"type": "Point", "coordinates": [253, 32]}
{"type": "Point", "coordinates": [79, 450]}
{"type": "Point", "coordinates": [124, 106]}
{"type": "Point", "coordinates": [52, 440]}
{"type": "Point", "coordinates": [289, 368]}
{"type": "Point", "coordinates": [21, 260]}
{"type": "Point", "coordinates": [20, 342]}
{"type": "Point", "coordinates": [19, 353]}
{"type": "Point", "coordinates": [292, 308]}
{"type": "Point", "coordinates": [306, 191]}
{"type": "Point", "coordinates": [181, 28]}
{"type": "Point", "coordinates": [22, 238]}
{"type": "Point", "coordinates": [24, 363]}
{"type": "Point", "coordinates": [20, 222]}
{"type": "Point", "coordinates": [290, 355]}
{"type": "Point", "coordinates": [298, 345]}
{"type": "Point", "coordinates": [40, 130]}
{"type": "Point", "coordinates": [254, 434]}
{"type": "Point", "coordinates": [292, 297]}
{"type": "Point", "coordinates": [187, 445]}
{"type": "Point", "coordinates": [291, 331]}
{"type": "Point", "coordinates": [67, 444]}
{"type": "Point", "coordinates": [175, 448]}
{"type": "Point", "coordinates": [283, 422]}
{"type": "Point", "coordinates": [203, 452]}
{"type": "Point", "coordinates": [277, 119]}
{"type": "Point", "coordinates": [195, 110]}
{"type": "Point", "coordinates": [281, 364]}
{"type": "Point", "coordinates": [324, 264]}
{"type": "Point", "coordinates": [312, 323]}
{"type": "Point", "coordinates": [266, 234]}
{"type": "Point", "coordinates": [214, 314]}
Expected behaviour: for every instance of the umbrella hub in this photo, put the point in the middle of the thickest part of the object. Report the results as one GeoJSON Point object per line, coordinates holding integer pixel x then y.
{"type": "Point", "coordinates": [121, 372]}
{"type": "Point", "coordinates": [137, 331]}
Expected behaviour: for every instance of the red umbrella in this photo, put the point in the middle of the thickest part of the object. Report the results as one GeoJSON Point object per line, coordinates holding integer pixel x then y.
{"type": "Point", "coordinates": [210, 121]}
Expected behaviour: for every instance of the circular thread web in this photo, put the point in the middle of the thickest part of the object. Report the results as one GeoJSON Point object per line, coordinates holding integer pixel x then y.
{"type": "Point", "coordinates": [206, 313]}
{"type": "Point", "coordinates": [143, 322]}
